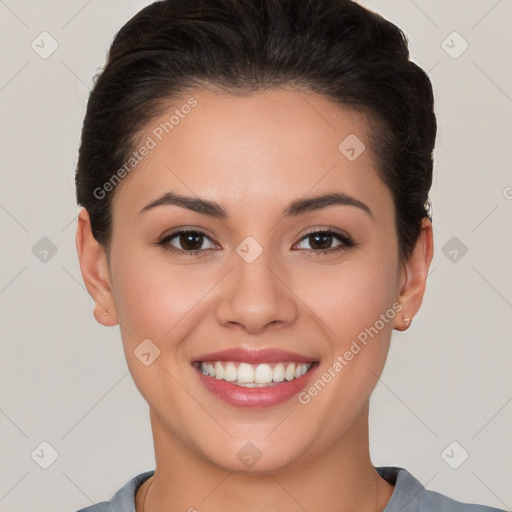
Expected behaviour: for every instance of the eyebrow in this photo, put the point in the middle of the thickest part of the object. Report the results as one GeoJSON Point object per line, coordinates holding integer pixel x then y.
{"type": "Point", "coordinates": [295, 208]}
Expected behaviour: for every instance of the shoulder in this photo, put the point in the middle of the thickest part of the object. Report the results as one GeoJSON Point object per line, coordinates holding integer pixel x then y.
{"type": "Point", "coordinates": [411, 496]}
{"type": "Point", "coordinates": [124, 499]}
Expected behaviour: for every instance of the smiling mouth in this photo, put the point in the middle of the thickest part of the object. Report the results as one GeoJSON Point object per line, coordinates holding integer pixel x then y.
{"type": "Point", "coordinates": [253, 375]}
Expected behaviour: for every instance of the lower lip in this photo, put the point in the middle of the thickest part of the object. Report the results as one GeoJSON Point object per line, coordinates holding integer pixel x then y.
{"type": "Point", "coordinates": [269, 396]}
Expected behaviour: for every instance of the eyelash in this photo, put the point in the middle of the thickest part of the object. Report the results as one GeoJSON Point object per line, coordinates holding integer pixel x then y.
{"type": "Point", "coordinates": [346, 241]}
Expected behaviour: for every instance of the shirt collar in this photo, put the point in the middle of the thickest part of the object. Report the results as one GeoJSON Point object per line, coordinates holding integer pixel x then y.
{"type": "Point", "coordinates": [405, 497]}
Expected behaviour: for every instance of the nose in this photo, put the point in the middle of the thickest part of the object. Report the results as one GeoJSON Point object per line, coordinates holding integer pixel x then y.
{"type": "Point", "coordinates": [256, 295]}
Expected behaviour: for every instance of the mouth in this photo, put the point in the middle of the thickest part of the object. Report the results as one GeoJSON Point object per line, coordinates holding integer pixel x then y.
{"type": "Point", "coordinates": [254, 378]}
{"type": "Point", "coordinates": [251, 375]}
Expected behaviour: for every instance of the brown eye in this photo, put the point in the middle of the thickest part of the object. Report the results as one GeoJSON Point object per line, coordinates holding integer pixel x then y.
{"type": "Point", "coordinates": [184, 241]}
{"type": "Point", "coordinates": [191, 241]}
{"type": "Point", "coordinates": [321, 241]}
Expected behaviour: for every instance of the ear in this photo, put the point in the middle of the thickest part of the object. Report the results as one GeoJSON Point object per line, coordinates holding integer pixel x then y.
{"type": "Point", "coordinates": [413, 276]}
{"type": "Point", "coordinates": [95, 272]}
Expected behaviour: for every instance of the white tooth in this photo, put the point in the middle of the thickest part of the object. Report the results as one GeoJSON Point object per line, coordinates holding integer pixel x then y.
{"type": "Point", "coordinates": [230, 372]}
{"type": "Point", "coordinates": [219, 370]}
{"type": "Point", "coordinates": [211, 370]}
{"type": "Point", "coordinates": [289, 374]}
{"type": "Point", "coordinates": [303, 368]}
{"type": "Point", "coordinates": [297, 371]}
{"type": "Point", "coordinates": [278, 373]}
{"type": "Point", "coordinates": [247, 384]}
{"type": "Point", "coordinates": [245, 373]}
{"type": "Point", "coordinates": [263, 374]}
{"type": "Point", "coordinates": [254, 385]}
{"type": "Point", "coordinates": [204, 368]}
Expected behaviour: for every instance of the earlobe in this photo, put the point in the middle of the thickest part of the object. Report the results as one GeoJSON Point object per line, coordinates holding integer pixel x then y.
{"type": "Point", "coordinates": [95, 272]}
{"type": "Point", "coordinates": [414, 277]}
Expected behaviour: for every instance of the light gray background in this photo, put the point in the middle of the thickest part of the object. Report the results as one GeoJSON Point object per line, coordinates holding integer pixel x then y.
{"type": "Point", "coordinates": [64, 379]}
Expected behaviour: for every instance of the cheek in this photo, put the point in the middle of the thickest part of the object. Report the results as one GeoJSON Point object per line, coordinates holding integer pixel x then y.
{"type": "Point", "coordinates": [151, 297]}
{"type": "Point", "coordinates": [155, 302]}
{"type": "Point", "coordinates": [351, 296]}
{"type": "Point", "coordinates": [358, 310]}
{"type": "Point", "coordinates": [163, 303]}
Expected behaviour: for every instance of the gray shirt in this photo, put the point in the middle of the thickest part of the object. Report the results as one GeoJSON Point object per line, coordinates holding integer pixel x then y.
{"type": "Point", "coordinates": [409, 496]}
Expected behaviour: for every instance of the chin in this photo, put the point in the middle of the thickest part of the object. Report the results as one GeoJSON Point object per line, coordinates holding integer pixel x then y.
{"type": "Point", "coordinates": [255, 458]}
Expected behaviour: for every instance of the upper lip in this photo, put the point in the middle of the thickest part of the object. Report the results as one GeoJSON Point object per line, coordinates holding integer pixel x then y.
{"type": "Point", "coordinates": [254, 356]}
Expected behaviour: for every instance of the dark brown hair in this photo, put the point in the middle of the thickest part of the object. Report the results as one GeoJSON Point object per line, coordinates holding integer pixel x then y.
{"type": "Point", "coordinates": [337, 48]}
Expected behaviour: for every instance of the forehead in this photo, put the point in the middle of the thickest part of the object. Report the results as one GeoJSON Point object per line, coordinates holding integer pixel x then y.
{"type": "Point", "coordinates": [254, 151]}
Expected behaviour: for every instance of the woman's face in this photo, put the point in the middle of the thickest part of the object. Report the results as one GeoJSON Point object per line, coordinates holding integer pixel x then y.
{"type": "Point", "coordinates": [258, 280]}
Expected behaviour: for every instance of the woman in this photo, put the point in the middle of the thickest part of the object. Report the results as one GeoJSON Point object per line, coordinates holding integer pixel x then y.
{"type": "Point", "coordinates": [255, 177]}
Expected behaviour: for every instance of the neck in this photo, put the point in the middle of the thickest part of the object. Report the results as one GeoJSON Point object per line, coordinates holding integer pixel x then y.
{"type": "Point", "coordinates": [341, 479]}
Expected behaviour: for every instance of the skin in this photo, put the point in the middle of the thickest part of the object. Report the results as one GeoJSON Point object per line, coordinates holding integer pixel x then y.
{"type": "Point", "coordinates": [254, 155]}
